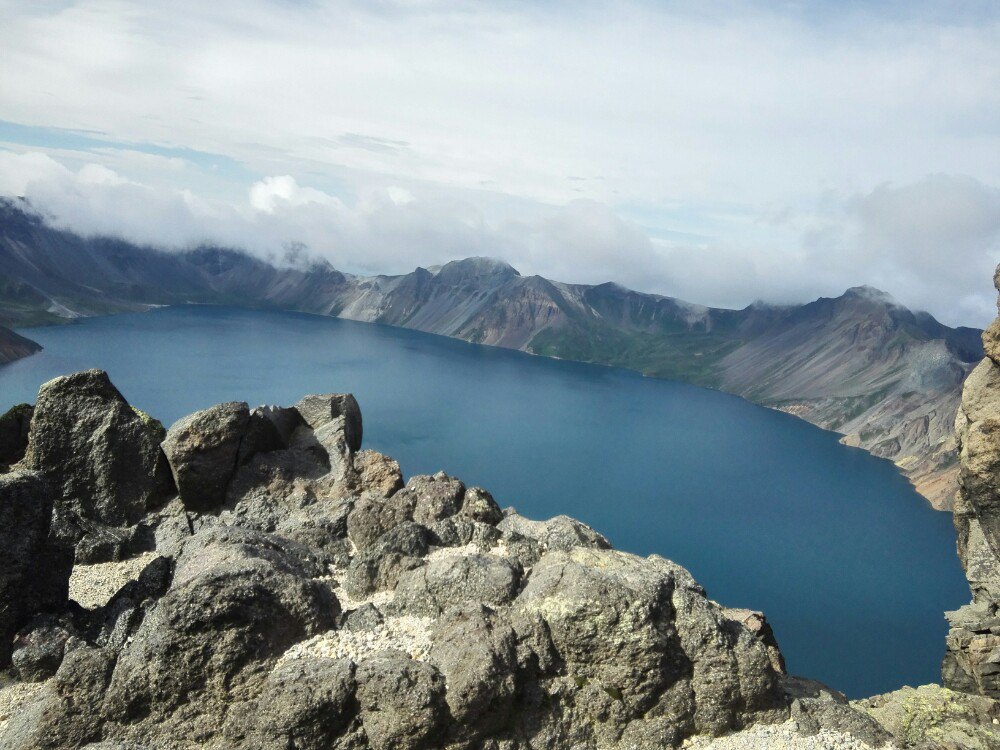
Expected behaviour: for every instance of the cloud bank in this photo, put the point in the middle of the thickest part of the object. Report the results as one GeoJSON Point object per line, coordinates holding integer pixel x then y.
{"type": "Point", "coordinates": [937, 238]}
{"type": "Point", "coordinates": [720, 155]}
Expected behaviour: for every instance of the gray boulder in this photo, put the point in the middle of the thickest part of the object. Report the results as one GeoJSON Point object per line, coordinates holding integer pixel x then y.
{"type": "Point", "coordinates": [558, 533]}
{"type": "Point", "coordinates": [379, 568]}
{"type": "Point", "coordinates": [642, 632]}
{"type": "Point", "coordinates": [525, 550]}
{"type": "Point", "coordinates": [402, 703]}
{"type": "Point", "coordinates": [366, 617]}
{"type": "Point", "coordinates": [456, 580]}
{"type": "Point", "coordinates": [425, 500]}
{"type": "Point", "coordinates": [66, 713]}
{"type": "Point", "coordinates": [459, 531]}
{"type": "Point", "coordinates": [476, 650]}
{"type": "Point", "coordinates": [321, 527]}
{"type": "Point", "coordinates": [339, 410]}
{"type": "Point", "coordinates": [816, 707]}
{"type": "Point", "coordinates": [203, 450]}
{"type": "Point", "coordinates": [479, 505]}
{"type": "Point", "coordinates": [372, 516]}
{"type": "Point", "coordinates": [271, 486]}
{"type": "Point", "coordinates": [34, 573]}
{"type": "Point", "coordinates": [238, 600]}
{"type": "Point", "coordinates": [101, 454]}
{"type": "Point", "coordinates": [436, 497]}
{"type": "Point", "coordinates": [305, 704]}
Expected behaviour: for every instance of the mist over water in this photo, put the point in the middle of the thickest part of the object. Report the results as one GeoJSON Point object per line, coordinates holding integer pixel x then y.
{"type": "Point", "coordinates": [851, 567]}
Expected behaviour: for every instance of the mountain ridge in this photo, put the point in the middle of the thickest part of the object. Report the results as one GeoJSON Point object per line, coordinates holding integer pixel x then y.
{"type": "Point", "coordinates": [886, 378]}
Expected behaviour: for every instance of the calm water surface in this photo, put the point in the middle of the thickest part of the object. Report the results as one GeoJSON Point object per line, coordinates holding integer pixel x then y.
{"type": "Point", "coordinates": [768, 512]}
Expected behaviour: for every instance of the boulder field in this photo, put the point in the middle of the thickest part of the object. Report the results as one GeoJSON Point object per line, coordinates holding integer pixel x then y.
{"type": "Point", "coordinates": [267, 583]}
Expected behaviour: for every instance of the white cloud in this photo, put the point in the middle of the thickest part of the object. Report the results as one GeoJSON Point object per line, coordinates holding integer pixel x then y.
{"type": "Point", "coordinates": [891, 237]}
{"type": "Point", "coordinates": [272, 193]}
{"type": "Point", "coordinates": [578, 140]}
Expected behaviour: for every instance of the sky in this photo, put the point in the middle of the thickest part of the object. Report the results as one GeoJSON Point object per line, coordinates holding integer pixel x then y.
{"type": "Point", "coordinates": [721, 152]}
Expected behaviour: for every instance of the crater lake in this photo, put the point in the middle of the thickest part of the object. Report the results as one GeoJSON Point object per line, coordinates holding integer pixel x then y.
{"type": "Point", "coordinates": [850, 565]}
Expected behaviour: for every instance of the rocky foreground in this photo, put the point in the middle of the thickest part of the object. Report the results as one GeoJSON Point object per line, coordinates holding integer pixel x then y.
{"type": "Point", "coordinates": [252, 578]}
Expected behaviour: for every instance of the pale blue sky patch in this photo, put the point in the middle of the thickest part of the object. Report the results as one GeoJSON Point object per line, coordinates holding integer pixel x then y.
{"type": "Point", "coordinates": [96, 141]}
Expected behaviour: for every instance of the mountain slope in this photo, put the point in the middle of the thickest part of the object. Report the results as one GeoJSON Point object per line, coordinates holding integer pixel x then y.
{"type": "Point", "coordinates": [13, 346]}
{"type": "Point", "coordinates": [887, 378]}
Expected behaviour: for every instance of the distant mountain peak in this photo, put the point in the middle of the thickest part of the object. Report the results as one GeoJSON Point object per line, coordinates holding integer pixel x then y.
{"type": "Point", "coordinates": [477, 268]}
{"type": "Point", "coordinates": [485, 263]}
{"type": "Point", "coordinates": [871, 293]}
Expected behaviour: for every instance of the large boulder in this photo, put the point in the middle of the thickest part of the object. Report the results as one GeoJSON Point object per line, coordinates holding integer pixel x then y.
{"type": "Point", "coordinates": [378, 474]}
{"type": "Point", "coordinates": [307, 704]}
{"type": "Point", "coordinates": [402, 703]}
{"type": "Point", "coordinates": [643, 632]}
{"type": "Point", "coordinates": [334, 422]}
{"type": "Point", "coordinates": [435, 497]}
{"type": "Point", "coordinates": [102, 455]}
{"type": "Point", "coordinates": [39, 651]}
{"type": "Point", "coordinates": [203, 450]}
{"type": "Point", "coordinates": [816, 707]}
{"type": "Point", "coordinates": [237, 601]}
{"type": "Point", "coordinates": [373, 515]}
{"type": "Point", "coordinates": [34, 573]}
{"type": "Point", "coordinates": [333, 412]}
{"type": "Point", "coordinates": [476, 650]}
{"type": "Point", "coordinates": [451, 580]}
{"type": "Point", "coordinates": [379, 568]}
{"type": "Point", "coordinates": [557, 533]}
{"type": "Point", "coordinates": [66, 713]}
{"type": "Point", "coordinates": [479, 505]}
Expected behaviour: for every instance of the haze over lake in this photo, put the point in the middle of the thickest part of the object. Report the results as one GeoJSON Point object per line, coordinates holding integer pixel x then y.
{"type": "Point", "coordinates": [850, 565]}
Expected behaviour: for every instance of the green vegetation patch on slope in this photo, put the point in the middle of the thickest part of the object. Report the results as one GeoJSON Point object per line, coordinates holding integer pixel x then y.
{"type": "Point", "coordinates": [689, 357]}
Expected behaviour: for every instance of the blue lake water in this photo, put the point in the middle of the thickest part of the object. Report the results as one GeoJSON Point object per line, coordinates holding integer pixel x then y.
{"type": "Point", "coordinates": [848, 562]}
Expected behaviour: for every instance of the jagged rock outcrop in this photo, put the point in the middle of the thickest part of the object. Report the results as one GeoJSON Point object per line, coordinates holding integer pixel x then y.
{"type": "Point", "coordinates": [309, 598]}
{"type": "Point", "coordinates": [972, 662]}
{"type": "Point", "coordinates": [104, 459]}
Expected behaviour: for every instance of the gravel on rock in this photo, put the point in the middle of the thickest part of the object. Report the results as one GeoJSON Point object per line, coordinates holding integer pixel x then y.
{"type": "Point", "coordinates": [777, 737]}
{"type": "Point", "coordinates": [93, 585]}
{"type": "Point", "coordinates": [407, 633]}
